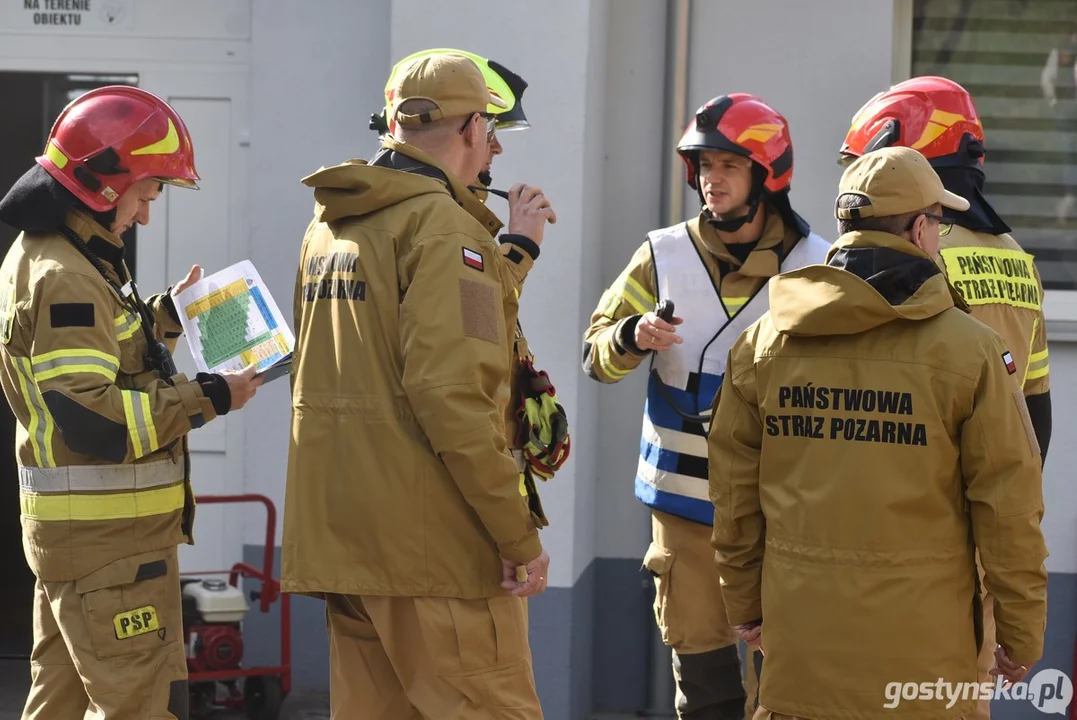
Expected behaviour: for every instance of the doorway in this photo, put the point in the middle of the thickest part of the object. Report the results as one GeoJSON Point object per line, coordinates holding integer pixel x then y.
{"type": "Point", "coordinates": [24, 127]}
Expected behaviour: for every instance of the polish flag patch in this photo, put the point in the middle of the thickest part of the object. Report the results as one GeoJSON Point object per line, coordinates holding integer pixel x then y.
{"type": "Point", "coordinates": [1011, 367]}
{"type": "Point", "coordinates": [473, 259]}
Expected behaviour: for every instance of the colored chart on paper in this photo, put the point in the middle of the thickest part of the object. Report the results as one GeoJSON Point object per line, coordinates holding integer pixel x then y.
{"type": "Point", "coordinates": [232, 321]}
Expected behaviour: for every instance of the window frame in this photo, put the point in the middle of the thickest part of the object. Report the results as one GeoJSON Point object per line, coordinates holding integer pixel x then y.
{"type": "Point", "coordinates": [1059, 306]}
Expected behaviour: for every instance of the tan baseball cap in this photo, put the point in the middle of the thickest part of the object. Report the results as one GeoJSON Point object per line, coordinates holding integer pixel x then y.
{"type": "Point", "coordinates": [452, 82]}
{"type": "Point", "coordinates": [895, 180]}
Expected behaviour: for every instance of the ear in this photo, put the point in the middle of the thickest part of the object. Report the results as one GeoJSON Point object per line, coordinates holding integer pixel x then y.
{"type": "Point", "coordinates": [471, 138]}
{"type": "Point", "coordinates": [919, 227]}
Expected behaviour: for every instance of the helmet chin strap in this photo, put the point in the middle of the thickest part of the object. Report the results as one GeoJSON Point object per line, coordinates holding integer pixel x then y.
{"type": "Point", "coordinates": [759, 176]}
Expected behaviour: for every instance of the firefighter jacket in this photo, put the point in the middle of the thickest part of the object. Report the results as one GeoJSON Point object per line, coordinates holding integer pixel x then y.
{"type": "Point", "coordinates": [1002, 286]}
{"type": "Point", "coordinates": [400, 479]}
{"type": "Point", "coordinates": [100, 438]}
{"type": "Point", "coordinates": [717, 295]}
{"type": "Point", "coordinates": [869, 437]}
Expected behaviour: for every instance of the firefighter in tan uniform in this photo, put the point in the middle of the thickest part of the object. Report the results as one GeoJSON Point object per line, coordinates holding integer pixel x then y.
{"type": "Point", "coordinates": [402, 506]}
{"type": "Point", "coordinates": [868, 439]}
{"type": "Point", "coordinates": [996, 278]}
{"type": "Point", "coordinates": [714, 268]}
{"type": "Point", "coordinates": [536, 426]}
{"type": "Point", "coordinates": [102, 416]}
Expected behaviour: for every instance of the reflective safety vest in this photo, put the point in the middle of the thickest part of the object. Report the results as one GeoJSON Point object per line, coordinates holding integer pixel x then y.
{"type": "Point", "coordinates": [672, 473]}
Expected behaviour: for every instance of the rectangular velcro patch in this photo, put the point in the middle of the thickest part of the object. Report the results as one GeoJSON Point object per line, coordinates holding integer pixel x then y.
{"type": "Point", "coordinates": [478, 307]}
{"type": "Point", "coordinates": [71, 315]}
{"type": "Point", "coordinates": [151, 570]}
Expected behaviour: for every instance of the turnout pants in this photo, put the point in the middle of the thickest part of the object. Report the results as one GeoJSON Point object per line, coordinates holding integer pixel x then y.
{"type": "Point", "coordinates": [690, 613]}
{"type": "Point", "coordinates": [429, 658]}
{"type": "Point", "coordinates": [110, 645]}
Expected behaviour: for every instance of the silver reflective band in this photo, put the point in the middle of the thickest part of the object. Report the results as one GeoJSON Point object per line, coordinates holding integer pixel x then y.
{"type": "Point", "coordinates": [98, 478]}
{"type": "Point", "coordinates": [44, 365]}
{"type": "Point", "coordinates": [125, 325]}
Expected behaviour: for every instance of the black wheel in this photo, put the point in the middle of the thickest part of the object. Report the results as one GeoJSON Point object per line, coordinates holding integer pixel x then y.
{"type": "Point", "coordinates": [262, 698]}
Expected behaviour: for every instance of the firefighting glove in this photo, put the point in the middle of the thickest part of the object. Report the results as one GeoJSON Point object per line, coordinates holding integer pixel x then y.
{"type": "Point", "coordinates": [544, 436]}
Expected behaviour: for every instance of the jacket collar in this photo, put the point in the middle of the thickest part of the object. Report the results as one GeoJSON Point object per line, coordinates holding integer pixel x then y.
{"type": "Point", "coordinates": [102, 242]}
{"type": "Point", "coordinates": [763, 261]}
{"type": "Point", "coordinates": [871, 251]}
{"type": "Point", "coordinates": [464, 197]}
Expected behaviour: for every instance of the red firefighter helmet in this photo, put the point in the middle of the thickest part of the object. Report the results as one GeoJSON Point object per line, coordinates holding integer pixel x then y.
{"type": "Point", "coordinates": [933, 115]}
{"type": "Point", "coordinates": [743, 124]}
{"type": "Point", "coordinates": [110, 138]}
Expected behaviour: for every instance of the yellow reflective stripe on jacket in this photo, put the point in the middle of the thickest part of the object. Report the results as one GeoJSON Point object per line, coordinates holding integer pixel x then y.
{"type": "Point", "coordinates": [636, 296]}
{"type": "Point", "coordinates": [127, 325]}
{"type": "Point", "coordinates": [604, 352]}
{"type": "Point", "coordinates": [1037, 365]}
{"type": "Point", "coordinates": [68, 362]}
{"type": "Point", "coordinates": [114, 506]}
{"type": "Point", "coordinates": [100, 478]}
{"type": "Point", "coordinates": [41, 427]}
{"type": "Point", "coordinates": [136, 409]}
{"type": "Point", "coordinates": [733, 305]}
{"type": "Point", "coordinates": [987, 276]}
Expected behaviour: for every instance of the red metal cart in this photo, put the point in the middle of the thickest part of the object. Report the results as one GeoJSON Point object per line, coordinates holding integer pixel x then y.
{"type": "Point", "coordinates": [259, 691]}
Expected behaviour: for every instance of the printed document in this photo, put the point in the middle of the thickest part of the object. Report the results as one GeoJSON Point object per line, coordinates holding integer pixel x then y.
{"type": "Point", "coordinates": [231, 320]}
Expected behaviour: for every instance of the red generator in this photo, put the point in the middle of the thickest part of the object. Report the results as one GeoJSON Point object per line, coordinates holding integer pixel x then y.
{"type": "Point", "coordinates": [213, 615]}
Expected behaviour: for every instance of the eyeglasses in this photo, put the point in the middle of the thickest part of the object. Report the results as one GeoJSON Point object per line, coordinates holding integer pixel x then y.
{"type": "Point", "coordinates": [491, 124]}
{"type": "Point", "coordinates": [944, 225]}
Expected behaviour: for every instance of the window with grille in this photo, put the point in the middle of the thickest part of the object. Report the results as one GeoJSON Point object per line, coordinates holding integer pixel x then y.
{"type": "Point", "coordinates": [1018, 60]}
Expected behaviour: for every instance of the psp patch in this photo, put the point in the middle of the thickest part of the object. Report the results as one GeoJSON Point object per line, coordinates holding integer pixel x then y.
{"type": "Point", "coordinates": [473, 259]}
{"type": "Point", "coordinates": [136, 622]}
{"type": "Point", "coordinates": [1011, 366]}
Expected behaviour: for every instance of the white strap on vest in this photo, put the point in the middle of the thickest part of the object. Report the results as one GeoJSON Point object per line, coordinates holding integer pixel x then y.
{"type": "Point", "coordinates": [707, 331]}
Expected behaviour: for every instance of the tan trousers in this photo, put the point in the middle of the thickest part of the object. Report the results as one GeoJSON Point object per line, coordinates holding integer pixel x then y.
{"type": "Point", "coordinates": [110, 646]}
{"type": "Point", "coordinates": [429, 659]}
{"type": "Point", "coordinates": [689, 608]}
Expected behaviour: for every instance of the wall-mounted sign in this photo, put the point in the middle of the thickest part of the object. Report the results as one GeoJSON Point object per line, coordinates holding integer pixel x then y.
{"type": "Point", "coordinates": [76, 16]}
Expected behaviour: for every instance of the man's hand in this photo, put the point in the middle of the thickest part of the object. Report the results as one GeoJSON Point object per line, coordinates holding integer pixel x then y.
{"type": "Point", "coordinates": [751, 634]}
{"type": "Point", "coordinates": [192, 277]}
{"type": "Point", "coordinates": [528, 212]}
{"type": "Point", "coordinates": [242, 385]}
{"type": "Point", "coordinates": [1008, 669]}
{"type": "Point", "coordinates": [533, 580]}
{"type": "Point", "coordinates": [654, 333]}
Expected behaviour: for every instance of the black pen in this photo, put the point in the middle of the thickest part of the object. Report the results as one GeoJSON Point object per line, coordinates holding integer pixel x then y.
{"type": "Point", "coordinates": [499, 193]}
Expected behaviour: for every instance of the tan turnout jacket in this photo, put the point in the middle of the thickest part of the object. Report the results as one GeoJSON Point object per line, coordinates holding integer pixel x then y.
{"type": "Point", "coordinates": [400, 479]}
{"type": "Point", "coordinates": [870, 436]}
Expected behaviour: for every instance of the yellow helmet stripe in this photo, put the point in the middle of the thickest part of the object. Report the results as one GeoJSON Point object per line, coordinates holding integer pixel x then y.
{"type": "Point", "coordinates": [56, 155]}
{"type": "Point", "coordinates": [166, 146]}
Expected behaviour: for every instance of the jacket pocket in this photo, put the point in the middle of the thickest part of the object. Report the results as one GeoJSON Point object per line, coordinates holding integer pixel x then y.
{"type": "Point", "coordinates": [660, 562]}
{"type": "Point", "coordinates": [132, 605]}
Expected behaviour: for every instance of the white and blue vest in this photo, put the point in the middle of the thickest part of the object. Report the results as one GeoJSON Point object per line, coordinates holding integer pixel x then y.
{"type": "Point", "coordinates": [672, 472]}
